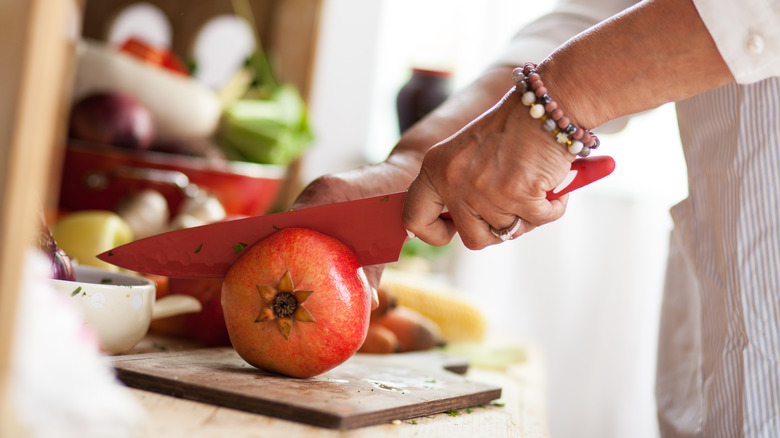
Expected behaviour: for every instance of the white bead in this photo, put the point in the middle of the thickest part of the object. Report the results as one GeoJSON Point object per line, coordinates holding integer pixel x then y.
{"type": "Point", "coordinates": [537, 111]}
{"type": "Point", "coordinates": [575, 147]}
{"type": "Point", "coordinates": [528, 98]}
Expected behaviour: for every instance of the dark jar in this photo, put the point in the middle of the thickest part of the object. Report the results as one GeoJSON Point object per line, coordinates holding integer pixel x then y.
{"type": "Point", "coordinates": [424, 91]}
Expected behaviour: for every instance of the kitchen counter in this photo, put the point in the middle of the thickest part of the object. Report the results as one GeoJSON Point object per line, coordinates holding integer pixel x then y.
{"type": "Point", "coordinates": [520, 412]}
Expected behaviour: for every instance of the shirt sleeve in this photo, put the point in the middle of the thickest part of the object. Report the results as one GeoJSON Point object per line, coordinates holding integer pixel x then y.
{"type": "Point", "coordinates": [747, 34]}
{"type": "Point", "coordinates": [568, 18]}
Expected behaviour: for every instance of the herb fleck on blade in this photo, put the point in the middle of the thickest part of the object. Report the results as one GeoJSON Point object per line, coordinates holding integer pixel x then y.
{"type": "Point", "coordinates": [197, 250]}
{"type": "Point", "coordinates": [239, 247]}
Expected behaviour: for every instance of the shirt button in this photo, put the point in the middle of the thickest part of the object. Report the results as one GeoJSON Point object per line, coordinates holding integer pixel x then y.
{"type": "Point", "coordinates": [755, 44]}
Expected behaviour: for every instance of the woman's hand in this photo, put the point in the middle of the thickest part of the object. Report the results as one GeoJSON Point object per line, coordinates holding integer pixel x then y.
{"type": "Point", "coordinates": [494, 170]}
{"type": "Point", "coordinates": [389, 176]}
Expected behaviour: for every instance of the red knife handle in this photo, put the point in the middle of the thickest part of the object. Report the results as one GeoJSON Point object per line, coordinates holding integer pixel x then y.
{"type": "Point", "coordinates": [583, 172]}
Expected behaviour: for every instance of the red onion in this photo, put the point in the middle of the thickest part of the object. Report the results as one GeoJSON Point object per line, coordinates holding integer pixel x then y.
{"type": "Point", "coordinates": [112, 118]}
{"type": "Point", "coordinates": [61, 266]}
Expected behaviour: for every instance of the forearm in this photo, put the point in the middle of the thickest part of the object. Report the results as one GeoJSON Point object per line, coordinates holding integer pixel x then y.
{"type": "Point", "coordinates": [397, 172]}
{"type": "Point", "coordinates": [601, 74]}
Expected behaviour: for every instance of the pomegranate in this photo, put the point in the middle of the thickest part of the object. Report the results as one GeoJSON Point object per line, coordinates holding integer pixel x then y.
{"type": "Point", "coordinates": [296, 303]}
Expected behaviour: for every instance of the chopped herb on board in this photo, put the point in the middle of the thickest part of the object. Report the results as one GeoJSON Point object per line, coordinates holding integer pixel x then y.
{"type": "Point", "coordinates": [76, 292]}
{"type": "Point", "coordinates": [239, 247]}
{"type": "Point", "coordinates": [452, 412]}
{"type": "Point", "coordinates": [500, 405]}
{"type": "Point", "coordinates": [197, 250]}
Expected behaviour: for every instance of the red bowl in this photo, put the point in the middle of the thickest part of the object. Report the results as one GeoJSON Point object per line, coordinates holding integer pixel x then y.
{"type": "Point", "coordinates": [99, 177]}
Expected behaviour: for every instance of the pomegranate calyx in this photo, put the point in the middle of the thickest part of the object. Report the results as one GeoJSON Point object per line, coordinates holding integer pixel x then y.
{"type": "Point", "coordinates": [284, 304]}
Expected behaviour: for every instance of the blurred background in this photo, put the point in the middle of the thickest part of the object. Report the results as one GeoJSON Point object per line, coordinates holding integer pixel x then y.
{"type": "Point", "coordinates": [586, 289]}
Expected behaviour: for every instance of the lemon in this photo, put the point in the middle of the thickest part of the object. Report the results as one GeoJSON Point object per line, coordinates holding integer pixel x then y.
{"type": "Point", "coordinates": [85, 234]}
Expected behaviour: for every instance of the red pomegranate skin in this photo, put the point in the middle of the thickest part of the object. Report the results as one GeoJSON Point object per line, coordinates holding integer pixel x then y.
{"type": "Point", "coordinates": [339, 303]}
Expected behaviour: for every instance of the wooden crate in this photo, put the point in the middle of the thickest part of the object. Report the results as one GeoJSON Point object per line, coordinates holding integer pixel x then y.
{"type": "Point", "coordinates": [37, 43]}
{"type": "Point", "coordinates": [287, 28]}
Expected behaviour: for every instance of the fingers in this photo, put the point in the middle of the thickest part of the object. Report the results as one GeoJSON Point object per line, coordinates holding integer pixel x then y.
{"type": "Point", "coordinates": [479, 221]}
{"type": "Point", "coordinates": [422, 210]}
{"type": "Point", "coordinates": [373, 275]}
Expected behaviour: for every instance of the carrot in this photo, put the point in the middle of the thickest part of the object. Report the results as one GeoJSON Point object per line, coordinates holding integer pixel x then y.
{"type": "Point", "coordinates": [415, 331]}
{"type": "Point", "coordinates": [380, 340]}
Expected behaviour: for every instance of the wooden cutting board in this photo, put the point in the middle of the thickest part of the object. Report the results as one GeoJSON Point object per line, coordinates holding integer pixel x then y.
{"type": "Point", "coordinates": [366, 390]}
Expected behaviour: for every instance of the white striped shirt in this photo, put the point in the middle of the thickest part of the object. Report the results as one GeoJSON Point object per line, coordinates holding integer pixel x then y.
{"type": "Point", "coordinates": [719, 354]}
{"type": "Point", "coordinates": [719, 344]}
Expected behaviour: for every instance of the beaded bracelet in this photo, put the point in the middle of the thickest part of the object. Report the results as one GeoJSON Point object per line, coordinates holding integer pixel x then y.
{"type": "Point", "coordinates": [533, 93]}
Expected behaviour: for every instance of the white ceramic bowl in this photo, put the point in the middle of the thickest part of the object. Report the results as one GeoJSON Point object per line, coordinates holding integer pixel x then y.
{"type": "Point", "coordinates": [119, 306]}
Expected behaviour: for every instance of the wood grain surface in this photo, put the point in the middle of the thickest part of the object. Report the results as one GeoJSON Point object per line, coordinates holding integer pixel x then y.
{"type": "Point", "coordinates": [366, 390]}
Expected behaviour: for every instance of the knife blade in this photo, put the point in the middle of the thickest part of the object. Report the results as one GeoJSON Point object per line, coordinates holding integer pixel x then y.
{"type": "Point", "coordinates": [371, 227]}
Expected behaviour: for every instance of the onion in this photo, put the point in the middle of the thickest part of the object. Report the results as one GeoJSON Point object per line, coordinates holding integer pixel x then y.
{"type": "Point", "coordinates": [112, 118]}
{"type": "Point", "coordinates": [61, 266]}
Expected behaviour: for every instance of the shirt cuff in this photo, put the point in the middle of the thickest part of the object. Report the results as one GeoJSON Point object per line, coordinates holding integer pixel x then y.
{"type": "Point", "coordinates": [747, 35]}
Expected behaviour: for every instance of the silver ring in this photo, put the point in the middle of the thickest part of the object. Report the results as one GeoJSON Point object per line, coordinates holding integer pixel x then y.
{"type": "Point", "coordinates": [509, 232]}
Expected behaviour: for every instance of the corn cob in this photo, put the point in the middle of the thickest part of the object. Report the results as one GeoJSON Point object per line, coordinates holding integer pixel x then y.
{"type": "Point", "coordinates": [459, 320]}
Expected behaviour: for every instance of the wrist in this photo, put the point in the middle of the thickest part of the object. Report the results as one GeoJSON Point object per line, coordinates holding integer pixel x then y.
{"type": "Point", "coordinates": [571, 95]}
{"type": "Point", "coordinates": [565, 130]}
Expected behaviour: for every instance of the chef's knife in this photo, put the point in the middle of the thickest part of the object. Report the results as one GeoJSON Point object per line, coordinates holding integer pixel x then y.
{"type": "Point", "coordinates": [371, 227]}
